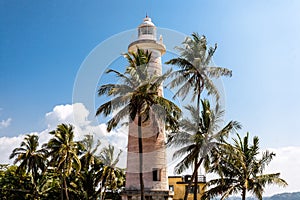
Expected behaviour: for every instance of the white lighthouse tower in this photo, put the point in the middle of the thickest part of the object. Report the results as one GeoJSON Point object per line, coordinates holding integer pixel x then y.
{"type": "Point", "coordinates": [154, 152]}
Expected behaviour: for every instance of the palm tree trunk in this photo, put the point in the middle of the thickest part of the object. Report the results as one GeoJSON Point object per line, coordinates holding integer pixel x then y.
{"type": "Point", "coordinates": [104, 193]}
{"type": "Point", "coordinates": [244, 194]}
{"type": "Point", "coordinates": [34, 182]}
{"type": "Point", "coordinates": [66, 188]}
{"type": "Point", "coordinates": [198, 103]}
{"type": "Point", "coordinates": [140, 141]}
{"type": "Point", "coordinates": [196, 158]}
{"type": "Point", "coordinates": [193, 177]}
{"type": "Point", "coordinates": [196, 180]}
{"type": "Point", "coordinates": [65, 182]}
{"type": "Point", "coordinates": [62, 186]}
{"type": "Point", "coordinates": [197, 165]}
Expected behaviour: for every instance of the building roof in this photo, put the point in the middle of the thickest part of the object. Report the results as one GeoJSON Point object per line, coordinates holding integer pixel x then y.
{"type": "Point", "coordinates": [147, 22]}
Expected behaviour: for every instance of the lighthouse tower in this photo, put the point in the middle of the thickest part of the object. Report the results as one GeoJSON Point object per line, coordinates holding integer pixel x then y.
{"type": "Point", "coordinates": [154, 153]}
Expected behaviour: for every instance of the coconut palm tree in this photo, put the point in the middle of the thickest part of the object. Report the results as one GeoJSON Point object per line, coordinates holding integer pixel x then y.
{"type": "Point", "coordinates": [195, 73]}
{"type": "Point", "coordinates": [137, 97]}
{"type": "Point", "coordinates": [89, 158]}
{"type": "Point", "coordinates": [241, 170]}
{"type": "Point", "coordinates": [31, 158]}
{"type": "Point", "coordinates": [197, 137]}
{"type": "Point", "coordinates": [91, 169]}
{"type": "Point", "coordinates": [112, 176]}
{"type": "Point", "coordinates": [63, 153]}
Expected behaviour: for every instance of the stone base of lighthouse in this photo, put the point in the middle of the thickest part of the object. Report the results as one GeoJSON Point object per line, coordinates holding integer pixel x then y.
{"type": "Point", "coordinates": [154, 163]}
{"type": "Point", "coordinates": [155, 177]}
{"type": "Point", "coordinates": [149, 195]}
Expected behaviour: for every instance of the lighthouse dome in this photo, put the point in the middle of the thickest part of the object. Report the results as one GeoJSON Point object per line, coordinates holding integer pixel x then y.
{"type": "Point", "coordinates": [147, 22]}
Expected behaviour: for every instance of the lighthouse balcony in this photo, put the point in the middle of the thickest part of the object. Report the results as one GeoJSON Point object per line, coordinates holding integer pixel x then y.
{"type": "Point", "coordinates": [147, 44]}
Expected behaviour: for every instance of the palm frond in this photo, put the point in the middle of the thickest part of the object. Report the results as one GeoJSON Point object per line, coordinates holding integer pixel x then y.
{"type": "Point", "coordinates": [187, 161]}
{"type": "Point", "coordinates": [179, 139]}
{"type": "Point", "coordinates": [180, 62]}
{"type": "Point", "coordinates": [124, 78]}
{"type": "Point", "coordinates": [114, 121]}
{"type": "Point", "coordinates": [114, 89]}
{"type": "Point", "coordinates": [110, 106]}
{"type": "Point", "coordinates": [216, 72]}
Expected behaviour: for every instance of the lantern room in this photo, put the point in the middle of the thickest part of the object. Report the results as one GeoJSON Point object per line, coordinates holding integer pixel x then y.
{"type": "Point", "coordinates": [147, 30]}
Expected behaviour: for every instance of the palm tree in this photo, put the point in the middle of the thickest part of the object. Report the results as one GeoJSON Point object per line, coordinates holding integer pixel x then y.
{"type": "Point", "coordinates": [63, 152]}
{"type": "Point", "coordinates": [112, 176]}
{"type": "Point", "coordinates": [137, 96]}
{"type": "Point", "coordinates": [197, 137]}
{"type": "Point", "coordinates": [30, 158]}
{"type": "Point", "coordinates": [89, 158]}
{"type": "Point", "coordinates": [241, 170]}
{"type": "Point", "coordinates": [195, 72]}
{"type": "Point", "coordinates": [91, 169]}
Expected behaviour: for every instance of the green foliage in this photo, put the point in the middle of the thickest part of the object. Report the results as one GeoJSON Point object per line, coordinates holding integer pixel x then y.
{"type": "Point", "coordinates": [15, 184]}
{"type": "Point", "coordinates": [137, 93]}
{"type": "Point", "coordinates": [112, 176]}
{"type": "Point", "coordinates": [195, 71]}
{"type": "Point", "coordinates": [193, 77]}
{"type": "Point", "coordinates": [240, 167]}
{"type": "Point", "coordinates": [39, 173]}
{"type": "Point", "coordinates": [198, 136]}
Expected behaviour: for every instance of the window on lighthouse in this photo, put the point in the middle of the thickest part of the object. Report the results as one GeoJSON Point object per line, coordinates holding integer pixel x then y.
{"type": "Point", "coordinates": [156, 174]}
{"type": "Point", "coordinates": [146, 30]}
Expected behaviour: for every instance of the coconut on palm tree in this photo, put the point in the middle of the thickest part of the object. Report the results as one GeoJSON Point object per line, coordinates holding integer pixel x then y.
{"type": "Point", "coordinates": [137, 97]}
{"type": "Point", "coordinates": [195, 72]}
{"type": "Point", "coordinates": [241, 169]}
{"type": "Point", "coordinates": [198, 135]}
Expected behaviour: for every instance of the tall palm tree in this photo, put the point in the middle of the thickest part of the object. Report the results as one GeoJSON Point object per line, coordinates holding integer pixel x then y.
{"type": "Point", "coordinates": [197, 137]}
{"type": "Point", "coordinates": [195, 73]}
{"type": "Point", "coordinates": [137, 96]}
{"type": "Point", "coordinates": [241, 170]}
{"type": "Point", "coordinates": [112, 176]}
{"type": "Point", "coordinates": [31, 158]}
{"type": "Point", "coordinates": [63, 152]}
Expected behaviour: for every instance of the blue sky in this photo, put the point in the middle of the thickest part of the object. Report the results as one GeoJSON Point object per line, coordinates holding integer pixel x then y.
{"type": "Point", "coordinates": [43, 44]}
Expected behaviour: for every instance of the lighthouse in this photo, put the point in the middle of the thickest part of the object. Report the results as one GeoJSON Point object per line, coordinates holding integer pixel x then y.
{"type": "Point", "coordinates": [154, 152]}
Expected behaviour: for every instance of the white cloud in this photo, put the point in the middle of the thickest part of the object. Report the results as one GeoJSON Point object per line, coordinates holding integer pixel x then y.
{"type": "Point", "coordinates": [7, 144]}
{"type": "Point", "coordinates": [5, 123]}
{"type": "Point", "coordinates": [74, 114]}
{"type": "Point", "coordinates": [287, 163]}
{"type": "Point", "coordinates": [77, 115]}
